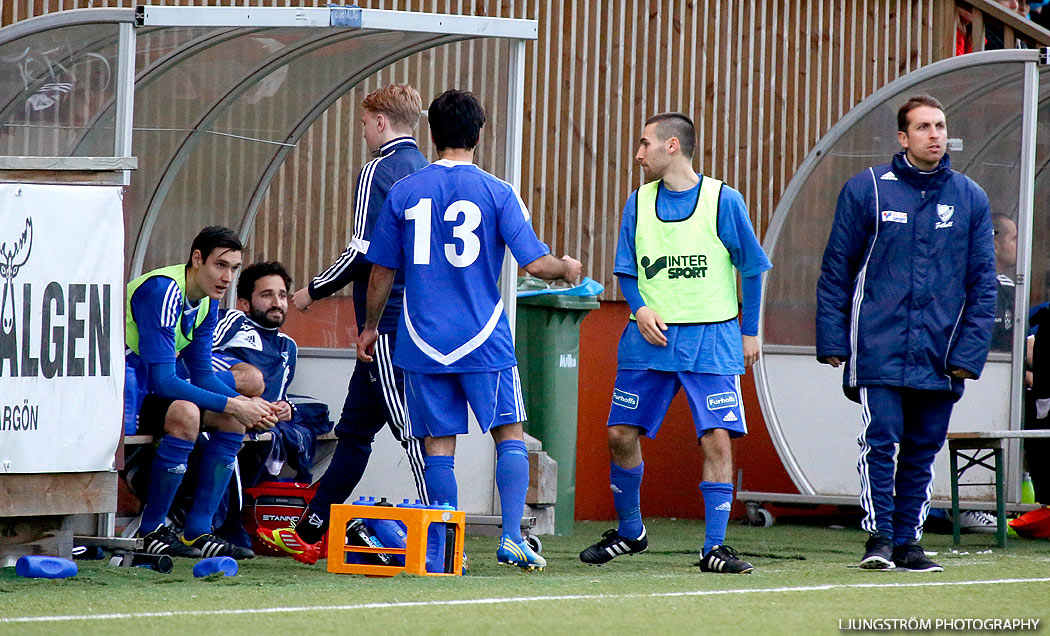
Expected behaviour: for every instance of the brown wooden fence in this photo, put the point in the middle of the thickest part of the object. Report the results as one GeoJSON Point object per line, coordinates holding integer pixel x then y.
{"type": "Point", "coordinates": [762, 79]}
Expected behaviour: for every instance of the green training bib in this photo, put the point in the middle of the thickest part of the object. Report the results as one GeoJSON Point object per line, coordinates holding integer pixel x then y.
{"type": "Point", "coordinates": [178, 274]}
{"type": "Point", "coordinates": [684, 270]}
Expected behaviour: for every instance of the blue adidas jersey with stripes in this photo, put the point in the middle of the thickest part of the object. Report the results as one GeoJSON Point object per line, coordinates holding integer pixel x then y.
{"type": "Point", "coordinates": [447, 227]}
{"type": "Point", "coordinates": [397, 158]}
{"type": "Point", "coordinates": [238, 338]}
{"type": "Point", "coordinates": [158, 305]}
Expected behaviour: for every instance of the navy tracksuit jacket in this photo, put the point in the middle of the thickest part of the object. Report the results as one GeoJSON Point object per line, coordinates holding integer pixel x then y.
{"type": "Point", "coordinates": [375, 394]}
{"type": "Point", "coordinates": [907, 292]}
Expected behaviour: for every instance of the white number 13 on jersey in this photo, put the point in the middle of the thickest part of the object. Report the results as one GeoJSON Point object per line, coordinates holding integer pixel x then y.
{"type": "Point", "coordinates": [464, 231]}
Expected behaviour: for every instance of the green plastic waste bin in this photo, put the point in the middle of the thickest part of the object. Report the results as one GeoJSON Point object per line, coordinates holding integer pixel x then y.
{"type": "Point", "coordinates": [548, 350]}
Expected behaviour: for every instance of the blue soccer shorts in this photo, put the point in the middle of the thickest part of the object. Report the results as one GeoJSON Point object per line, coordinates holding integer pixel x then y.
{"type": "Point", "coordinates": [437, 402]}
{"type": "Point", "coordinates": [641, 398]}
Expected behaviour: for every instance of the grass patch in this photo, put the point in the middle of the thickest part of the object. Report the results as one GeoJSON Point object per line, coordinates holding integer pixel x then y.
{"type": "Point", "coordinates": [660, 590]}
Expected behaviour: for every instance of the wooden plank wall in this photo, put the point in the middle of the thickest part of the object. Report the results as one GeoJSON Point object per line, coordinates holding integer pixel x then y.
{"type": "Point", "coordinates": [762, 79]}
{"type": "Point", "coordinates": [304, 220]}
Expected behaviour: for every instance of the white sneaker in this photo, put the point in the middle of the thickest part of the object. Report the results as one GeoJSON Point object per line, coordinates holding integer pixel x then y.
{"type": "Point", "coordinates": [978, 521]}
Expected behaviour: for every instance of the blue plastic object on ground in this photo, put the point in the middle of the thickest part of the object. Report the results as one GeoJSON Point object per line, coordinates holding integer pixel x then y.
{"type": "Point", "coordinates": [45, 567]}
{"type": "Point", "coordinates": [535, 286]}
{"type": "Point", "coordinates": [207, 567]}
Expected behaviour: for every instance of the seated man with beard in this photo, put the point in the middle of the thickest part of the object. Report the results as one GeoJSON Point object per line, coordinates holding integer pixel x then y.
{"type": "Point", "coordinates": [248, 343]}
{"type": "Point", "coordinates": [251, 354]}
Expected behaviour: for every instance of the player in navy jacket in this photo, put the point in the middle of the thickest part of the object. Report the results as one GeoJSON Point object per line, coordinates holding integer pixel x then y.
{"type": "Point", "coordinates": [906, 299]}
{"type": "Point", "coordinates": [375, 395]}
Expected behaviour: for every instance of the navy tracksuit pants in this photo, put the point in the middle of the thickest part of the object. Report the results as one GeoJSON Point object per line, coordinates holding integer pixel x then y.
{"type": "Point", "coordinates": [914, 423]}
{"type": "Point", "coordinates": [374, 399]}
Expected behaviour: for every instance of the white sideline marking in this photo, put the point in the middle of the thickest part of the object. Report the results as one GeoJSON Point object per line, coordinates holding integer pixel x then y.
{"type": "Point", "coordinates": [495, 601]}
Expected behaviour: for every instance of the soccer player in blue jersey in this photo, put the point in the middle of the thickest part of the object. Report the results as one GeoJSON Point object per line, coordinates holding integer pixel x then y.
{"type": "Point", "coordinates": [248, 340]}
{"type": "Point", "coordinates": [447, 227]}
{"type": "Point", "coordinates": [681, 238]}
{"type": "Point", "coordinates": [171, 317]}
{"type": "Point", "coordinates": [375, 395]}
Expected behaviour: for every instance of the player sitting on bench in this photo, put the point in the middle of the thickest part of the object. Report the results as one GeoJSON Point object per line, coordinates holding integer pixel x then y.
{"type": "Point", "coordinates": [171, 318]}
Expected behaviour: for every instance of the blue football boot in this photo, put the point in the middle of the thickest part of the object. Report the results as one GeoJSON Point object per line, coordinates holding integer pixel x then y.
{"type": "Point", "coordinates": [519, 554]}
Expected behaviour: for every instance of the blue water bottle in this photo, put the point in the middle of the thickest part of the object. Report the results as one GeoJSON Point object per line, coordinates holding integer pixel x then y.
{"type": "Point", "coordinates": [45, 567]}
{"type": "Point", "coordinates": [435, 534]}
{"type": "Point", "coordinates": [437, 543]}
{"type": "Point", "coordinates": [391, 535]}
{"type": "Point", "coordinates": [389, 532]}
{"type": "Point", "coordinates": [213, 565]}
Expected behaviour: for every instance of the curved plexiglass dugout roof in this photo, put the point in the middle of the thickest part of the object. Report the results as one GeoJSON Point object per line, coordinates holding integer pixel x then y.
{"type": "Point", "coordinates": [220, 97]}
{"type": "Point", "coordinates": [993, 102]}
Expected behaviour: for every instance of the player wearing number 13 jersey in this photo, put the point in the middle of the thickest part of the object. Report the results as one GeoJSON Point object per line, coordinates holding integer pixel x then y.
{"type": "Point", "coordinates": [447, 227]}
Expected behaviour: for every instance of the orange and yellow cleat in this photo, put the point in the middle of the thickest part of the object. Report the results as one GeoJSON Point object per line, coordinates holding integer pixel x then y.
{"type": "Point", "coordinates": [287, 540]}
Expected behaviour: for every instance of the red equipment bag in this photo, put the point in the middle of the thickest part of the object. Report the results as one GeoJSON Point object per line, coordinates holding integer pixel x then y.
{"type": "Point", "coordinates": [1034, 524]}
{"type": "Point", "coordinates": [276, 504]}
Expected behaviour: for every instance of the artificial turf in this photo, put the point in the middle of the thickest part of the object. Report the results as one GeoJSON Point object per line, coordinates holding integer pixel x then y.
{"type": "Point", "coordinates": [806, 582]}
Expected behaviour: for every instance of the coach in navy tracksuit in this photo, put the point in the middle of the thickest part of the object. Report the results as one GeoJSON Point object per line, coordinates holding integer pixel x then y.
{"type": "Point", "coordinates": [375, 395]}
{"type": "Point", "coordinates": [906, 299]}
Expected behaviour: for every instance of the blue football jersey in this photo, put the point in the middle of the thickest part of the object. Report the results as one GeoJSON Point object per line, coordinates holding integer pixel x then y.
{"type": "Point", "coordinates": [158, 305]}
{"type": "Point", "coordinates": [448, 226]}
{"type": "Point", "coordinates": [238, 338]}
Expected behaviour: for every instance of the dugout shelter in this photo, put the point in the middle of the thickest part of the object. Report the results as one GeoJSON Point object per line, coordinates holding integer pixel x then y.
{"type": "Point", "coordinates": [122, 133]}
{"type": "Point", "coordinates": [997, 106]}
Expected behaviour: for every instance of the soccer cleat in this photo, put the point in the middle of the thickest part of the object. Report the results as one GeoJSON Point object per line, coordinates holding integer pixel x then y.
{"type": "Point", "coordinates": [724, 560]}
{"type": "Point", "coordinates": [910, 556]}
{"type": "Point", "coordinates": [613, 545]}
{"type": "Point", "coordinates": [519, 554]}
{"type": "Point", "coordinates": [210, 545]}
{"type": "Point", "coordinates": [978, 522]}
{"type": "Point", "coordinates": [164, 541]}
{"type": "Point", "coordinates": [878, 553]}
{"type": "Point", "coordinates": [288, 541]}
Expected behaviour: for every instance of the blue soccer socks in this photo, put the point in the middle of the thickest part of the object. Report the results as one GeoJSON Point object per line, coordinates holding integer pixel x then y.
{"type": "Point", "coordinates": [441, 479]}
{"type": "Point", "coordinates": [512, 481]}
{"type": "Point", "coordinates": [718, 501]}
{"type": "Point", "coordinates": [217, 462]}
{"type": "Point", "coordinates": [626, 486]}
{"type": "Point", "coordinates": [169, 466]}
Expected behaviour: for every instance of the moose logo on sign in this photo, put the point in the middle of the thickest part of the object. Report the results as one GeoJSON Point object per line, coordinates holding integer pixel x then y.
{"type": "Point", "coordinates": [11, 260]}
{"type": "Point", "coordinates": [63, 313]}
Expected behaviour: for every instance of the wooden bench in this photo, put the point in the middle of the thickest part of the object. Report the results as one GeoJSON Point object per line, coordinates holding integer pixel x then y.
{"type": "Point", "coordinates": [38, 511]}
{"type": "Point", "coordinates": [136, 440]}
{"type": "Point", "coordinates": [976, 448]}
